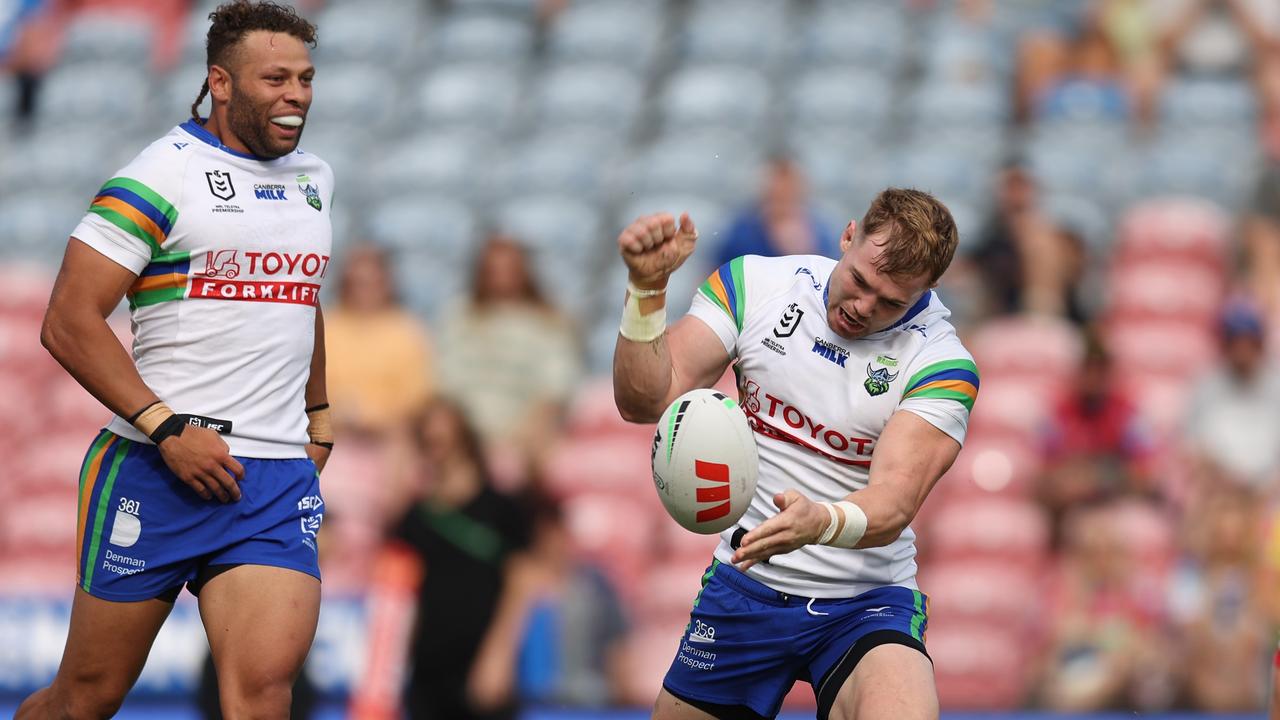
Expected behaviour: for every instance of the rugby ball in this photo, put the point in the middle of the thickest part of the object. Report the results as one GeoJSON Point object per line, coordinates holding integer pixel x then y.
{"type": "Point", "coordinates": [704, 461]}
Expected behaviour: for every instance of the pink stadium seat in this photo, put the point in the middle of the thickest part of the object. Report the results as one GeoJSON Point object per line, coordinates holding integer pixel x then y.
{"type": "Point", "coordinates": [30, 573]}
{"type": "Point", "coordinates": [1156, 288]}
{"type": "Point", "coordinates": [613, 533]}
{"type": "Point", "coordinates": [40, 522]}
{"type": "Point", "coordinates": [1161, 347]}
{"type": "Point", "coordinates": [1013, 404]}
{"type": "Point", "coordinates": [1038, 346]}
{"type": "Point", "coordinates": [1000, 464]}
{"type": "Point", "coordinates": [593, 412]}
{"type": "Point", "coordinates": [1162, 399]}
{"type": "Point", "coordinates": [649, 650]}
{"type": "Point", "coordinates": [1175, 228]}
{"type": "Point", "coordinates": [682, 545]}
{"type": "Point", "coordinates": [979, 666]}
{"type": "Point", "coordinates": [1003, 528]}
{"type": "Point", "coordinates": [981, 589]}
{"type": "Point", "coordinates": [670, 587]}
{"type": "Point", "coordinates": [601, 463]}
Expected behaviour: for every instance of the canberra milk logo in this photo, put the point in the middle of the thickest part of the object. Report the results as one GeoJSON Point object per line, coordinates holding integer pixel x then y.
{"type": "Point", "coordinates": [311, 190]}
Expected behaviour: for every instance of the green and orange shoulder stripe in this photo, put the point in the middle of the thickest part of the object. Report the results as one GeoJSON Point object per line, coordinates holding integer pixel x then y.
{"type": "Point", "coordinates": [728, 290]}
{"type": "Point", "coordinates": [138, 210]}
{"type": "Point", "coordinates": [947, 380]}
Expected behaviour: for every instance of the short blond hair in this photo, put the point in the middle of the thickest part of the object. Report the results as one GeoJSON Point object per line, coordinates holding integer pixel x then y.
{"type": "Point", "coordinates": [922, 236]}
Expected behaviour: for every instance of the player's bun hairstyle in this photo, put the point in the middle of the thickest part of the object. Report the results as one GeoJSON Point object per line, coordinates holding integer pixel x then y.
{"type": "Point", "coordinates": [233, 20]}
{"type": "Point", "coordinates": [922, 235]}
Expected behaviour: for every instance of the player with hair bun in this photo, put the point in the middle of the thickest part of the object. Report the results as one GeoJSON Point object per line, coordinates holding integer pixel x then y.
{"type": "Point", "coordinates": [218, 234]}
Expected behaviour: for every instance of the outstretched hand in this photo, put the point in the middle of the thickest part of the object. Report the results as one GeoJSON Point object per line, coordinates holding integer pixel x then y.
{"type": "Point", "coordinates": [654, 247]}
{"type": "Point", "coordinates": [800, 522]}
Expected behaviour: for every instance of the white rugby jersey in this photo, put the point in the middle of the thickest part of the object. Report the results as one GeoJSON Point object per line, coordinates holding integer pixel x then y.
{"type": "Point", "coordinates": [230, 253]}
{"type": "Point", "coordinates": [818, 404]}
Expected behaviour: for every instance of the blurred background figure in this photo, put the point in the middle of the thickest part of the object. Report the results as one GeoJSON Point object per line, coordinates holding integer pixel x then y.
{"type": "Point", "coordinates": [1097, 447]}
{"type": "Point", "coordinates": [465, 533]}
{"type": "Point", "coordinates": [380, 363]}
{"type": "Point", "coordinates": [781, 221]}
{"type": "Point", "coordinates": [24, 35]}
{"type": "Point", "coordinates": [509, 357]}
{"type": "Point", "coordinates": [1233, 418]}
{"type": "Point", "coordinates": [558, 634]}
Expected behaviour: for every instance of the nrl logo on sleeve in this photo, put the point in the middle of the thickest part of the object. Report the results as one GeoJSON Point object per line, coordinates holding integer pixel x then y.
{"type": "Point", "coordinates": [877, 382]}
{"type": "Point", "coordinates": [309, 189]}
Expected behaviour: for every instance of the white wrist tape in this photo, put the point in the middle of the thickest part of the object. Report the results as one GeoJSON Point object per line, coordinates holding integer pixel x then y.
{"type": "Point", "coordinates": [848, 525]}
{"type": "Point", "coordinates": [642, 328]}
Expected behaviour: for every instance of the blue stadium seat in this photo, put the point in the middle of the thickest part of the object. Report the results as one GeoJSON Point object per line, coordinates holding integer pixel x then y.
{"type": "Point", "coordinates": [745, 32]}
{"type": "Point", "coordinates": [604, 96]}
{"type": "Point", "coordinates": [476, 96]}
{"type": "Point", "coordinates": [699, 97]}
{"type": "Point", "coordinates": [621, 32]}
{"type": "Point", "coordinates": [482, 38]}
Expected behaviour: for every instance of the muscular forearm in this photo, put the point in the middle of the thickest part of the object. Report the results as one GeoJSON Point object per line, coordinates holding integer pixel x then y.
{"type": "Point", "coordinates": [642, 372]}
{"type": "Point", "coordinates": [317, 392]}
{"type": "Point", "coordinates": [83, 343]}
{"type": "Point", "coordinates": [888, 514]}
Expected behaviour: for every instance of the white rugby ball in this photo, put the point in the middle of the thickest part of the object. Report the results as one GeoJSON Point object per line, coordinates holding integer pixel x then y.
{"type": "Point", "coordinates": [704, 461]}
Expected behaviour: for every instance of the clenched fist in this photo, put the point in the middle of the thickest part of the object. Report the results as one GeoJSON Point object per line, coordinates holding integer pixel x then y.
{"type": "Point", "coordinates": [654, 247]}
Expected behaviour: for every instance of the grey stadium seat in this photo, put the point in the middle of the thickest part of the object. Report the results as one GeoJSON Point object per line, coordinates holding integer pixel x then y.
{"type": "Point", "coordinates": [482, 38]}
{"type": "Point", "coordinates": [599, 95]}
{"type": "Point", "coordinates": [383, 33]}
{"type": "Point", "coordinates": [355, 95]}
{"type": "Point", "coordinates": [96, 37]}
{"type": "Point", "coordinates": [746, 32]}
{"type": "Point", "coordinates": [622, 32]}
{"type": "Point", "coordinates": [701, 97]}
{"type": "Point", "coordinates": [36, 225]}
{"type": "Point", "coordinates": [113, 95]}
{"type": "Point", "coordinates": [721, 166]}
{"type": "Point", "coordinates": [866, 35]}
{"type": "Point", "coordinates": [837, 96]}
{"type": "Point", "coordinates": [481, 97]}
{"type": "Point", "coordinates": [435, 162]}
{"type": "Point", "coordinates": [574, 161]}
{"type": "Point", "coordinates": [1209, 102]}
{"type": "Point", "coordinates": [435, 224]}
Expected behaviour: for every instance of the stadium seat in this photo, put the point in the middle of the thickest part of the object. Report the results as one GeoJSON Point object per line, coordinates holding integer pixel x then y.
{"type": "Point", "coordinates": [94, 94]}
{"type": "Point", "coordinates": [944, 104]}
{"type": "Point", "coordinates": [355, 95]}
{"type": "Point", "coordinates": [648, 652]}
{"type": "Point", "coordinates": [702, 97]}
{"type": "Point", "coordinates": [379, 33]}
{"type": "Point", "coordinates": [576, 162]}
{"type": "Point", "coordinates": [435, 163]}
{"type": "Point", "coordinates": [179, 89]}
{"type": "Point", "coordinates": [744, 32]}
{"type": "Point", "coordinates": [841, 99]}
{"type": "Point", "coordinates": [1032, 345]}
{"type": "Point", "coordinates": [438, 225]}
{"type": "Point", "coordinates": [721, 166]}
{"type": "Point", "coordinates": [621, 32]}
{"type": "Point", "coordinates": [997, 529]}
{"type": "Point", "coordinates": [1166, 347]}
{"type": "Point", "coordinates": [670, 588]}
{"type": "Point", "coordinates": [1014, 404]}
{"type": "Point", "coordinates": [36, 225]}
{"type": "Point", "coordinates": [979, 666]}
{"type": "Point", "coordinates": [947, 173]}
{"type": "Point", "coordinates": [480, 96]}
{"type": "Point", "coordinates": [964, 590]}
{"type": "Point", "coordinates": [95, 37]}
{"type": "Point", "coordinates": [868, 35]}
{"type": "Point", "coordinates": [991, 466]}
{"type": "Point", "coordinates": [1160, 289]}
{"type": "Point", "coordinates": [482, 38]}
{"type": "Point", "coordinates": [616, 464]}
{"type": "Point", "coordinates": [603, 96]}
{"type": "Point", "coordinates": [1175, 228]}
{"type": "Point", "coordinates": [1227, 104]}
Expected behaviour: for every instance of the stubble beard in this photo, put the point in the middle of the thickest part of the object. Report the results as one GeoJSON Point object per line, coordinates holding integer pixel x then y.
{"type": "Point", "coordinates": [249, 122]}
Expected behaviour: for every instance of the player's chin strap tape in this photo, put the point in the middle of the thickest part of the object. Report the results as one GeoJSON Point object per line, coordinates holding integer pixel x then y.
{"type": "Point", "coordinates": [848, 525]}
{"type": "Point", "coordinates": [642, 328]}
{"type": "Point", "coordinates": [320, 425]}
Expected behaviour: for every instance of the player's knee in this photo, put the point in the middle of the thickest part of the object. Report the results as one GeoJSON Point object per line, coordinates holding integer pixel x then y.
{"type": "Point", "coordinates": [265, 697]}
{"type": "Point", "coordinates": [88, 698]}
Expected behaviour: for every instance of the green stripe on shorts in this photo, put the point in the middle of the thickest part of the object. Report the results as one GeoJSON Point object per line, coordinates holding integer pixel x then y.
{"type": "Point", "coordinates": [918, 618]}
{"type": "Point", "coordinates": [104, 499]}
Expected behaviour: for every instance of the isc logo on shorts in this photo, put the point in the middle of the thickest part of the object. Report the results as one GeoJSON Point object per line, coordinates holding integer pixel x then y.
{"type": "Point", "coordinates": [127, 527]}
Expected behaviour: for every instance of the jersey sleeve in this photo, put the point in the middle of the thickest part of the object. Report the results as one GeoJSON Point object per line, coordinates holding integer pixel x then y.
{"type": "Point", "coordinates": [941, 387]}
{"type": "Point", "coordinates": [133, 213]}
{"type": "Point", "coordinates": [721, 303]}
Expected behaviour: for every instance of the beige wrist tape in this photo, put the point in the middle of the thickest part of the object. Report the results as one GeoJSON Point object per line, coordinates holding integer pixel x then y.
{"type": "Point", "coordinates": [848, 525]}
{"type": "Point", "coordinates": [151, 417]}
{"type": "Point", "coordinates": [320, 425]}
{"type": "Point", "coordinates": [642, 328]}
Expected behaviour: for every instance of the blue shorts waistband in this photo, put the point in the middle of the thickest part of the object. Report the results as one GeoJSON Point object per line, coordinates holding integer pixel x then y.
{"type": "Point", "coordinates": [754, 588]}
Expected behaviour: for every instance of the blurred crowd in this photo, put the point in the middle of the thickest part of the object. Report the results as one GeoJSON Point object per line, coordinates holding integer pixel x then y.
{"type": "Point", "coordinates": [1109, 539]}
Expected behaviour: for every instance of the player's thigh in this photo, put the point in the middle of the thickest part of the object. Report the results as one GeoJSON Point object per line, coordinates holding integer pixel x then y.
{"type": "Point", "coordinates": [107, 645]}
{"type": "Point", "coordinates": [890, 682]}
{"type": "Point", "coordinates": [260, 621]}
{"type": "Point", "coordinates": [670, 707]}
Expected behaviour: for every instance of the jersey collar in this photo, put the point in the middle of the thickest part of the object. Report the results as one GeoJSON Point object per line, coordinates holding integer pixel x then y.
{"type": "Point", "coordinates": [197, 130]}
{"type": "Point", "coordinates": [915, 310]}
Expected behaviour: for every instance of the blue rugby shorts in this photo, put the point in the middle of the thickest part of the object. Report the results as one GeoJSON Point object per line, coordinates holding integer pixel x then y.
{"type": "Point", "coordinates": [142, 533]}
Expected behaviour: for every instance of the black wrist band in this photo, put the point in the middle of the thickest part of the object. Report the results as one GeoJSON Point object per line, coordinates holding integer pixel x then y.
{"type": "Point", "coordinates": [321, 406]}
{"type": "Point", "coordinates": [173, 425]}
{"type": "Point", "coordinates": [134, 417]}
{"type": "Point", "coordinates": [325, 445]}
